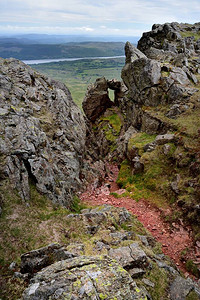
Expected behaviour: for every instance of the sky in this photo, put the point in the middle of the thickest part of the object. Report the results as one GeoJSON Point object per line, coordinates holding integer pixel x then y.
{"type": "Point", "coordinates": [93, 17]}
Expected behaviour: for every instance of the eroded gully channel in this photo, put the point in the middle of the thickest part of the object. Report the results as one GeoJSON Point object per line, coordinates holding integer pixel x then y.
{"type": "Point", "coordinates": [174, 238]}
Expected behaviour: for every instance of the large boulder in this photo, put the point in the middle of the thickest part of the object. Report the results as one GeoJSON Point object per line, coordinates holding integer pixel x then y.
{"type": "Point", "coordinates": [42, 133]}
{"type": "Point", "coordinates": [83, 277]}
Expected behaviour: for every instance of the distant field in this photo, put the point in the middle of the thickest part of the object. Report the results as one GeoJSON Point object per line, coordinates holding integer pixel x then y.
{"type": "Point", "coordinates": [77, 75]}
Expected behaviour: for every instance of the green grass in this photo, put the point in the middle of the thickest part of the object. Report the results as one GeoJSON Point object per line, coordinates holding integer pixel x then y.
{"type": "Point", "coordinates": [190, 34]}
{"type": "Point", "coordinates": [27, 226]}
{"type": "Point", "coordinates": [153, 183]}
{"type": "Point", "coordinates": [160, 279]}
{"type": "Point", "coordinates": [77, 75]}
{"type": "Point", "coordinates": [139, 140]}
{"type": "Point", "coordinates": [191, 267]}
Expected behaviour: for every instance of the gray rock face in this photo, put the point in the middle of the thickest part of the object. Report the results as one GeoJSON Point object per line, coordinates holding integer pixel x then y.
{"type": "Point", "coordinates": [180, 288]}
{"type": "Point", "coordinates": [165, 138]}
{"type": "Point", "coordinates": [170, 38]}
{"type": "Point", "coordinates": [42, 133]}
{"type": "Point", "coordinates": [35, 260]}
{"type": "Point", "coordinates": [83, 278]}
{"type": "Point", "coordinates": [129, 257]}
{"type": "Point", "coordinates": [149, 83]}
{"type": "Point", "coordinates": [132, 53]}
{"type": "Point", "coordinates": [110, 275]}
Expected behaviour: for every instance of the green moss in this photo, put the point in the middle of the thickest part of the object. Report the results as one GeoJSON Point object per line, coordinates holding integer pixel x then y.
{"type": "Point", "coordinates": [114, 120]}
{"type": "Point", "coordinates": [125, 174]}
{"type": "Point", "coordinates": [157, 170]}
{"type": "Point", "coordinates": [189, 122]}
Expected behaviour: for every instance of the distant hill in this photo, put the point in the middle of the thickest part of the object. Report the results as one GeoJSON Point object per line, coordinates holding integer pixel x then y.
{"type": "Point", "coordinates": [63, 39]}
{"type": "Point", "coordinates": [12, 47]}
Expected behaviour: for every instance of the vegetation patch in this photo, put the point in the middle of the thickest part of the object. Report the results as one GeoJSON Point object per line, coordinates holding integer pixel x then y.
{"type": "Point", "coordinates": [191, 267]}
{"type": "Point", "coordinates": [153, 183]}
{"type": "Point", "coordinates": [160, 279]}
{"type": "Point", "coordinates": [28, 226]}
{"type": "Point", "coordinates": [139, 140]}
{"type": "Point", "coordinates": [185, 34]}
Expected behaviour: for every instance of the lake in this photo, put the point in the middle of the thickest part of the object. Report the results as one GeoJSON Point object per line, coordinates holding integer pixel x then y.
{"type": "Point", "coordinates": [46, 61]}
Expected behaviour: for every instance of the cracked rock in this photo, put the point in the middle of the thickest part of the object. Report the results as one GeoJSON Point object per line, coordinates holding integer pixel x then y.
{"type": "Point", "coordinates": [130, 256]}
{"type": "Point", "coordinates": [83, 278]}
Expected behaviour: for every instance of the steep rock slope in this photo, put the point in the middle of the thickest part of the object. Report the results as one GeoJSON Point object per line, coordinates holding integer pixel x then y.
{"type": "Point", "coordinates": [42, 133]}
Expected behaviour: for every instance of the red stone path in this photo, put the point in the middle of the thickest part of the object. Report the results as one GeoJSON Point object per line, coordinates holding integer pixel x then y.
{"type": "Point", "coordinates": [173, 237]}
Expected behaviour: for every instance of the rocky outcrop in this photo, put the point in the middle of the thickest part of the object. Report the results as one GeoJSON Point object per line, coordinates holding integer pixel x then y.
{"type": "Point", "coordinates": [161, 98]}
{"type": "Point", "coordinates": [123, 264]}
{"type": "Point", "coordinates": [151, 83]}
{"type": "Point", "coordinates": [170, 39]}
{"type": "Point", "coordinates": [42, 133]}
{"type": "Point", "coordinates": [84, 278]}
{"type": "Point", "coordinates": [97, 99]}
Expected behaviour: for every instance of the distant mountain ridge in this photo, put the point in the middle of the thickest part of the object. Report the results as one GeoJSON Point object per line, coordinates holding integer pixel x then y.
{"type": "Point", "coordinates": [60, 39]}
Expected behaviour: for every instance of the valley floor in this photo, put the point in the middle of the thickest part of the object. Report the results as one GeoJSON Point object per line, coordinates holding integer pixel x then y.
{"type": "Point", "coordinates": [175, 239]}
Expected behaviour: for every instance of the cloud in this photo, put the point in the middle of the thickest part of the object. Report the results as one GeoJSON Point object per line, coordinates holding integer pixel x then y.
{"type": "Point", "coordinates": [98, 17]}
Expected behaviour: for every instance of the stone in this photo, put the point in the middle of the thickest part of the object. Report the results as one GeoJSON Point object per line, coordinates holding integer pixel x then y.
{"type": "Point", "coordinates": [148, 282]}
{"type": "Point", "coordinates": [35, 110]}
{"type": "Point", "coordinates": [96, 100]}
{"type": "Point", "coordinates": [140, 76]}
{"type": "Point", "coordinates": [138, 166]}
{"type": "Point", "coordinates": [175, 184]}
{"type": "Point", "coordinates": [166, 149]}
{"type": "Point", "coordinates": [150, 147]}
{"type": "Point", "coordinates": [136, 272]}
{"type": "Point", "coordinates": [35, 260]}
{"type": "Point", "coordinates": [122, 149]}
{"type": "Point", "coordinates": [132, 53]}
{"type": "Point", "coordinates": [83, 278]}
{"type": "Point", "coordinates": [165, 138]}
{"type": "Point", "coordinates": [180, 288]}
{"type": "Point", "coordinates": [100, 245]}
{"type": "Point", "coordinates": [12, 266]}
{"type": "Point", "coordinates": [130, 256]}
{"type": "Point", "coordinates": [93, 219]}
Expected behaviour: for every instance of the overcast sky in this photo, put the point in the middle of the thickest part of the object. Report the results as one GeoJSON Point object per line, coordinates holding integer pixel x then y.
{"type": "Point", "coordinates": [111, 17]}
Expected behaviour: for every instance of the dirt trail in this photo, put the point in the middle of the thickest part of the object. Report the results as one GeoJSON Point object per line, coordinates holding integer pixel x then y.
{"type": "Point", "coordinates": [174, 237]}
